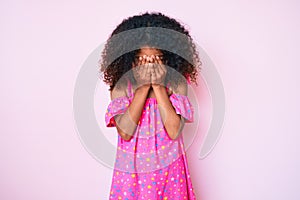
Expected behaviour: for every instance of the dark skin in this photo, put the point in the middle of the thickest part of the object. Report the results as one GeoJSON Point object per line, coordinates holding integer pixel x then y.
{"type": "Point", "coordinates": [150, 83]}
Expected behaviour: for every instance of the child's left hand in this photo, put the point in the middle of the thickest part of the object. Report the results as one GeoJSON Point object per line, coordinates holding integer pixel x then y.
{"type": "Point", "coordinates": [158, 72]}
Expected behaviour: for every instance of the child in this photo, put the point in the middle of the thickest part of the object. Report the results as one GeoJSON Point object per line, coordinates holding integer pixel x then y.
{"type": "Point", "coordinates": [149, 106]}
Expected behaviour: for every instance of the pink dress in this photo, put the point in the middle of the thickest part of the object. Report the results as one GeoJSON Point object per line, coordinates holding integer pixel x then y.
{"type": "Point", "coordinates": [150, 165]}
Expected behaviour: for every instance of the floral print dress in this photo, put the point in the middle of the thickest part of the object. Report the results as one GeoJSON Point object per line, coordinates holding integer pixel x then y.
{"type": "Point", "coordinates": [150, 165]}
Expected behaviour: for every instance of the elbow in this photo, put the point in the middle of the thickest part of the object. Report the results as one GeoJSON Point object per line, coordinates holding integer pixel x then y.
{"type": "Point", "coordinates": [174, 135]}
{"type": "Point", "coordinates": [174, 131]}
{"type": "Point", "coordinates": [124, 136]}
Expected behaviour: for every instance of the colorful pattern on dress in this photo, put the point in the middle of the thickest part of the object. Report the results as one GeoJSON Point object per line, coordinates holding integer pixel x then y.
{"type": "Point", "coordinates": [150, 165]}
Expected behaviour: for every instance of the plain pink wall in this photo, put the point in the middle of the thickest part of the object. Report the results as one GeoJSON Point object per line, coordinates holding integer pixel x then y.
{"type": "Point", "coordinates": [254, 46]}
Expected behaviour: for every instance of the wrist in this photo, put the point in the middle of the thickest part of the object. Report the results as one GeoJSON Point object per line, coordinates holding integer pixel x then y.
{"type": "Point", "coordinates": [158, 87]}
{"type": "Point", "coordinates": [143, 89]}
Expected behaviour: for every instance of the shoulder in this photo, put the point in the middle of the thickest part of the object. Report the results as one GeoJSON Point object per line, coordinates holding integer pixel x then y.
{"type": "Point", "coordinates": [181, 88]}
{"type": "Point", "coordinates": [120, 90]}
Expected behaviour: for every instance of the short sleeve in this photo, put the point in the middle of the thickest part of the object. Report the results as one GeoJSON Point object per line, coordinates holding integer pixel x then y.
{"type": "Point", "coordinates": [183, 106]}
{"type": "Point", "coordinates": [116, 106]}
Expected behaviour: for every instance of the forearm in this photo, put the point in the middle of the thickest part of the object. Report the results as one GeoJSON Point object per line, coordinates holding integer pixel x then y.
{"type": "Point", "coordinates": [127, 123]}
{"type": "Point", "coordinates": [172, 121]}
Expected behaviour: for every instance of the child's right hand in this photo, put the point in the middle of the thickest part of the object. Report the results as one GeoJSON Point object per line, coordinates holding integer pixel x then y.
{"type": "Point", "coordinates": [142, 72]}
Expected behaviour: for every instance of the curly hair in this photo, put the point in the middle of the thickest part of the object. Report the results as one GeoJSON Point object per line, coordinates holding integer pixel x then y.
{"type": "Point", "coordinates": [115, 61]}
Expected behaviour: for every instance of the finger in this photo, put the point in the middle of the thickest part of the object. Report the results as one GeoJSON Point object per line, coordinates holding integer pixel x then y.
{"type": "Point", "coordinates": [149, 73]}
{"type": "Point", "coordinates": [155, 65]}
{"type": "Point", "coordinates": [144, 72]}
{"type": "Point", "coordinates": [144, 60]}
{"type": "Point", "coordinates": [162, 67]}
{"type": "Point", "coordinates": [152, 69]}
{"type": "Point", "coordinates": [157, 59]}
{"type": "Point", "coordinates": [135, 73]}
{"type": "Point", "coordinates": [153, 76]}
{"type": "Point", "coordinates": [159, 63]}
{"type": "Point", "coordinates": [148, 59]}
{"type": "Point", "coordinates": [158, 69]}
{"type": "Point", "coordinates": [152, 58]}
{"type": "Point", "coordinates": [164, 71]}
{"type": "Point", "coordinates": [153, 73]}
{"type": "Point", "coordinates": [140, 58]}
{"type": "Point", "coordinates": [149, 68]}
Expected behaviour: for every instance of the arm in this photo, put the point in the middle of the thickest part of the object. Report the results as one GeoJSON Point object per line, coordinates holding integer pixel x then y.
{"type": "Point", "coordinates": [126, 123]}
{"type": "Point", "coordinates": [173, 122]}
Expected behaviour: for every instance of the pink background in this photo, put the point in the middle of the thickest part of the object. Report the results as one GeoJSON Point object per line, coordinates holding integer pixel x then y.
{"type": "Point", "coordinates": [255, 47]}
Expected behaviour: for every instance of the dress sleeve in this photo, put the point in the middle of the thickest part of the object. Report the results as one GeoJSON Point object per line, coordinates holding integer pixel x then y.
{"type": "Point", "coordinates": [183, 106]}
{"type": "Point", "coordinates": [116, 106]}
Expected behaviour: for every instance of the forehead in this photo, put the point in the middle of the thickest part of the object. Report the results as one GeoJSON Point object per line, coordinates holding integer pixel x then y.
{"type": "Point", "coordinates": [148, 51]}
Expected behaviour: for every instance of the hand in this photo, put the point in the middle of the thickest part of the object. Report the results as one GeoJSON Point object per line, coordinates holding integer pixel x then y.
{"type": "Point", "coordinates": [158, 72]}
{"type": "Point", "coordinates": [141, 72]}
